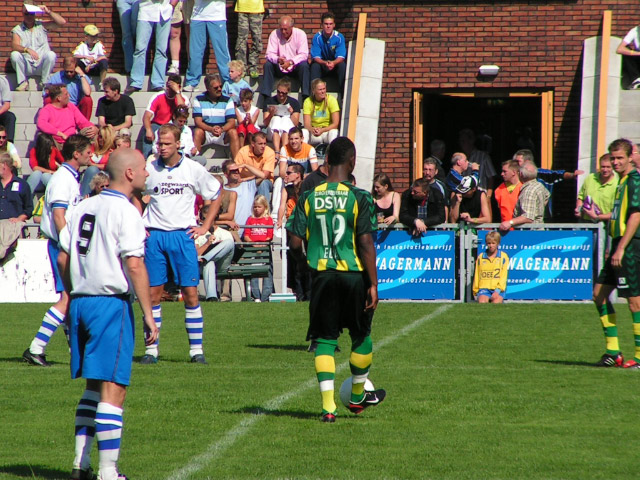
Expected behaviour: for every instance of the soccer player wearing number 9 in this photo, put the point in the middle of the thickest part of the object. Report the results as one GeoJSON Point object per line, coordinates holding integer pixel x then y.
{"type": "Point", "coordinates": [102, 250]}
{"type": "Point", "coordinates": [337, 222]}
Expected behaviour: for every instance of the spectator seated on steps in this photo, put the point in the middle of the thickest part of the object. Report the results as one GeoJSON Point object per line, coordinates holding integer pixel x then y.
{"type": "Point", "coordinates": [329, 52]}
{"type": "Point", "coordinates": [78, 85]}
{"type": "Point", "coordinates": [114, 108]}
{"type": "Point", "coordinates": [44, 160]}
{"type": "Point", "coordinates": [160, 110]}
{"type": "Point", "coordinates": [91, 55]}
{"type": "Point", "coordinates": [62, 119]}
{"type": "Point", "coordinates": [261, 158]}
{"type": "Point", "coordinates": [215, 117]}
{"type": "Point", "coordinates": [280, 114]}
{"type": "Point", "coordinates": [31, 54]}
{"type": "Point", "coordinates": [321, 114]}
{"type": "Point", "coordinates": [287, 55]}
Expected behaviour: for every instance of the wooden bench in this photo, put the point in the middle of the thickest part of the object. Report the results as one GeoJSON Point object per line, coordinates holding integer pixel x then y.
{"type": "Point", "coordinates": [254, 261]}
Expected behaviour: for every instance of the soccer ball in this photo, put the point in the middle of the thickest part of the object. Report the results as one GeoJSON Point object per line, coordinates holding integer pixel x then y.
{"type": "Point", "coordinates": [345, 390]}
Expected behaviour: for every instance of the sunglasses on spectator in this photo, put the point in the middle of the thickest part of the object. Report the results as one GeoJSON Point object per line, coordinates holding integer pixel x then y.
{"type": "Point", "coordinates": [280, 92]}
{"type": "Point", "coordinates": [289, 172]}
{"type": "Point", "coordinates": [3, 138]}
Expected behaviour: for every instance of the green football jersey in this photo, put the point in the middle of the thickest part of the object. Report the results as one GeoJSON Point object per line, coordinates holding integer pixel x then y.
{"type": "Point", "coordinates": [331, 217]}
{"type": "Point", "coordinates": [626, 202]}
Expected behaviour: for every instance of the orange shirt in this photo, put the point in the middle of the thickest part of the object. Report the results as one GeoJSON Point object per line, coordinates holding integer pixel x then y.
{"type": "Point", "coordinates": [266, 162]}
{"type": "Point", "coordinates": [507, 200]}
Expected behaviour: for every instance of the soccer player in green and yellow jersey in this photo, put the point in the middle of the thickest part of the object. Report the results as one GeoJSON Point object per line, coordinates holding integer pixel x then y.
{"type": "Point", "coordinates": [622, 268]}
{"type": "Point", "coordinates": [337, 221]}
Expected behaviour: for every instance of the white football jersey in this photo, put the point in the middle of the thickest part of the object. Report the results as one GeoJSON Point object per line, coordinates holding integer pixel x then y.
{"type": "Point", "coordinates": [63, 191]}
{"type": "Point", "coordinates": [173, 193]}
{"type": "Point", "coordinates": [100, 233]}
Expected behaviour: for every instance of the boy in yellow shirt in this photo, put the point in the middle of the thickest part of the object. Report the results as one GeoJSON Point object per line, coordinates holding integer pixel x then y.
{"type": "Point", "coordinates": [492, 267]}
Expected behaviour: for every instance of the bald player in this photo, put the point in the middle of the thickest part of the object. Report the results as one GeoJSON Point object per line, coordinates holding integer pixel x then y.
{"type": "Point", "coordinates": [102, 263]}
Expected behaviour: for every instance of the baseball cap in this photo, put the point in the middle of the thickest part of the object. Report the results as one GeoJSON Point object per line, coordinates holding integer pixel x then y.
{"type": "Point", "coordinates": [91, 30]}
{"type": "Point", "coordinates": [466, 184]}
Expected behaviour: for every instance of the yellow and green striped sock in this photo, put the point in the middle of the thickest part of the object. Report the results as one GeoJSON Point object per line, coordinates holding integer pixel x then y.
{"type": "Point", "coordinates": [608, 319]}
{"type": "Point", "coordinates": [360, 362]}
{"type": "Point", "coordinates": [325, 364]}
{"type": "Point", "coordinates": [636, 334]}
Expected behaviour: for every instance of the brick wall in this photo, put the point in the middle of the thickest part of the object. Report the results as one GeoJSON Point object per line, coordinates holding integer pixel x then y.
{"type": "Point", "coordinates": [430, 44]}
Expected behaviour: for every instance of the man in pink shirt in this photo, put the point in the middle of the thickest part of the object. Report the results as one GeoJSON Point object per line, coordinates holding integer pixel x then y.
{"type": "Point", "coordinates": [61, 118]}
{"type": "Point", "coordinates": [287, 54]}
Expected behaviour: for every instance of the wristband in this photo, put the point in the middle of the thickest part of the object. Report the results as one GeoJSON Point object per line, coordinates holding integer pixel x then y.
{"type": "Point", "coordinates": [25, 50]}
{"type": "Point", "coordinates": [511, 222]}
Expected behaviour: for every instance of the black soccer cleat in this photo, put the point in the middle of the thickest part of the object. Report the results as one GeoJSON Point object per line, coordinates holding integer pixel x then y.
{"type": "Point", "coordinates": [199, 358]}
{"type": "Point", "coordinates": [329, 417]}
{"type": "Point", "coordinates": [608, 360]}
{"type": "Point", "coordinates": [370, 399]}
{"type": "Point", "coordinates": [39, 360]}
{"type": "Point", "coordinates": [78, 474]}
{"type": "Point", "coordinates": [148, 359]}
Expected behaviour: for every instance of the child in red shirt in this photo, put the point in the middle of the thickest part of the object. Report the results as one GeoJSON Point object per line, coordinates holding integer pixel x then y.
{"type": "Point", "coordinates": [260, 217]}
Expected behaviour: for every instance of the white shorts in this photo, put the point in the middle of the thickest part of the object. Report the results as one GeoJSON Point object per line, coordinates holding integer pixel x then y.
{"type": "Point", "coordinates": [280, 124]}
{"type": "Point", "coordinates": [210, 138]}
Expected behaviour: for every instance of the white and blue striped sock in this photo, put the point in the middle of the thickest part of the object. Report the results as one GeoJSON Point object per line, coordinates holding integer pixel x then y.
{"type": "Point", "coordinates": [152, 349]}
{"type": "Point", "coordinates": [194, 324]}
{"type": "Point", "coordinates": [85, 428]}
{"type": "Point", "coordinates": [108, 434]}
{"type": "Point", "coordinates": [50, 322]}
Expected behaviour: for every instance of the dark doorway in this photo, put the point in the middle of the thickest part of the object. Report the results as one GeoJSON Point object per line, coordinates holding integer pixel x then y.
{"type": "Point", "coordinates": [502, 123]}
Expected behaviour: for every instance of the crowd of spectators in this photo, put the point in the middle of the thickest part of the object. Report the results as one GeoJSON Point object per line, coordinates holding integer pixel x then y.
{"type": "Point", "coordinates": [460, 191]}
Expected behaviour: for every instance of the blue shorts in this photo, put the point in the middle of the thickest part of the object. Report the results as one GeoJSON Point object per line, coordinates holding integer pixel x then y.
{"type": "Point", "coordinates": [171, 249]}
{"type": "Point", "coordinates": [486, 292]}
{"type": "Point", "coordinates": [54, 251]}
{"type": "Point", "coordinates": [102, 338]}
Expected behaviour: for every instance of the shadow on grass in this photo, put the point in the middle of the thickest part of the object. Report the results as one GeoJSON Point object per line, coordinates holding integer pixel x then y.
{"type": "Point", "coordinates": [277, 413]}
{"type": "Point", "coordinates": [568, 362]}
{"type": "Point", "coordinates": [278, 347]}
{"type": "Point", "coordinates": [34, 471]}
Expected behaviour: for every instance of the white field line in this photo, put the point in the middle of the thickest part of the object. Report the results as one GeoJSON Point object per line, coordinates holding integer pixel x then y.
{"type": "Point", "coordinates": [214, 450]}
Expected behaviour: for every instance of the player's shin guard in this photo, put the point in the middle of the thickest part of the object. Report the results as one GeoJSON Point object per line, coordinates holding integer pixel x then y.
{"type": "Point", "coordinates": [325, 364]}
{"type": "Point", "coordinates": [636, 334]}
{"type": "Point", "coordinates": [360, 362]}
{"type": "Point", "coordinates": [608, 319]}
{"type": "Point", "coordinates": [152, 349]}
{"type": "Point", "coordinates": [51, 321]}
{"type": "Point", "coordinates": [108, 433]}
{"type": "Point", "coordinates": [85, 428]}
{"type": "Point", "coordinates": [194, 324]}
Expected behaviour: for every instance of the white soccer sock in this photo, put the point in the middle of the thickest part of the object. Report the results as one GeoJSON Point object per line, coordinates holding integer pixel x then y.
{"type": "Point", "coordinates": [152, 349]}
{"type": "Point", "coordinates": [108, 434]}
{"type": "Point", "coordinates": [50, 322]}
{"type": "Point", "coordinates": [194, 324]}
{"type": "Point", "coordinates": [85, 428]}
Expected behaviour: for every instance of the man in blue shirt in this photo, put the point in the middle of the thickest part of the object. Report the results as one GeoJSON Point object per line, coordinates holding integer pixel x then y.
{"type": "Point", "coordinates": [16, 203]}
{"type": "Point", "coordinates": [329, 52]}
{"type": "Point", "coordinates": [78, 85]}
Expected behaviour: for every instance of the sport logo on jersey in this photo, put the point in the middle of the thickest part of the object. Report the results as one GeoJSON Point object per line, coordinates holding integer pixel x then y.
{"type": "Point", "coordinates": [167, 188]}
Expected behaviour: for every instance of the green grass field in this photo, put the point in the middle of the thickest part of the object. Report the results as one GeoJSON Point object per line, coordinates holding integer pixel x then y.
{"type": "Point", "coordinates": [474, 392]}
